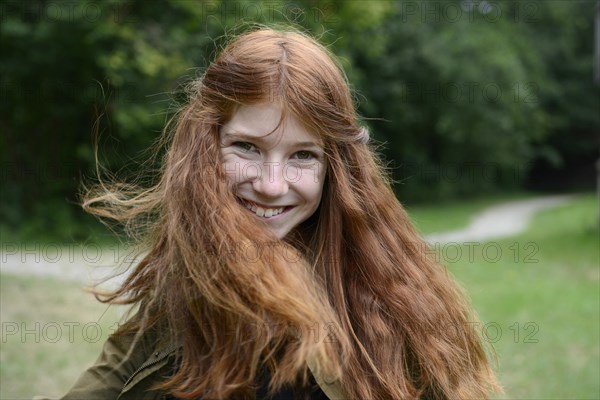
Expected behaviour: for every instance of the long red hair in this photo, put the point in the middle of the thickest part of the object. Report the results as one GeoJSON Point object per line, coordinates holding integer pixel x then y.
{"type": "Point", "coordinates": [352, 289]}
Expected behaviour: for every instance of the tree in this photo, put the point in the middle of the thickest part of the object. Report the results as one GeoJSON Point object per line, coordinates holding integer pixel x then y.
{"type": "Point", "coordinates": [465, 95]}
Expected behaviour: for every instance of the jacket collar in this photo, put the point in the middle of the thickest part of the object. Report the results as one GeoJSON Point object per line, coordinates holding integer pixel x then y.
{"type": "Point", "coordinates": [331, 387]}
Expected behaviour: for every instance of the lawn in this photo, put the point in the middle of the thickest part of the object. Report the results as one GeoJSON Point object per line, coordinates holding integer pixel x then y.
{"type": "Point", "coordinates": [51, 330]}
{"type": "Point", "coordinates": [537, 295]}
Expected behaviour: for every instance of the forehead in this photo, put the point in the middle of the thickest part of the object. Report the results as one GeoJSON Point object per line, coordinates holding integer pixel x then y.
{"type": "Point", "coordinates": [264, 120]}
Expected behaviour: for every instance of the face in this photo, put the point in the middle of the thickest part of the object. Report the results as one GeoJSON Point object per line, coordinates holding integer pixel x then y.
{"type": "Point", "coordinates": [278, 177]}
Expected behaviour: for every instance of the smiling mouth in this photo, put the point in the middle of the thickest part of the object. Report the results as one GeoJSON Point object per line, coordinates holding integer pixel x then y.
{"type": "Point", "coordinates": [262, 210]}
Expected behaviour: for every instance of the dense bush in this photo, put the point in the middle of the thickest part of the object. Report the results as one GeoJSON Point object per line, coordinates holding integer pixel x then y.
{"type": "Point", "coordinates": [465, 95]}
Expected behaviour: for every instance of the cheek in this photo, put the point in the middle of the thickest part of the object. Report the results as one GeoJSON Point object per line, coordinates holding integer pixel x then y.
{"type": "Point", "coordinates": [229, 169]}
{"type": "Point", "coordinates": [310, 187]}
{"type": "Point", "coordinates": [239, 170]}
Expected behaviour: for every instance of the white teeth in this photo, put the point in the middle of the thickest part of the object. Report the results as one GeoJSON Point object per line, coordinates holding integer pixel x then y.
{"type": "Point", "coordinates": [263, 212]}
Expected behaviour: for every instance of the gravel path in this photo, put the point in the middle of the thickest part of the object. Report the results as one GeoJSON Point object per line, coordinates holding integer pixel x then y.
{"type": "Point", "coordinates": [88, 263]}
{"type": "Point", "coordinates": [76, 262]}
{"type": "Point", "coordinates": [499, 221]}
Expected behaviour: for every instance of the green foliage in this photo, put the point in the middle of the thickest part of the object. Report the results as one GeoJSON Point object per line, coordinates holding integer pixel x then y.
{"type": "Point", "coordinates": [460, 94]}
{"type": "Point", "coordinates": [464, 95]}
{"type": "Point", "coordinates": [564, 40]}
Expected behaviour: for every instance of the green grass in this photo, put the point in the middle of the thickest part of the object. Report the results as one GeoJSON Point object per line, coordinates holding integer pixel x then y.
{"type": "Point", "coordinates": [541, 290]}
{"type": "Point", "coordinates": [51, 331]}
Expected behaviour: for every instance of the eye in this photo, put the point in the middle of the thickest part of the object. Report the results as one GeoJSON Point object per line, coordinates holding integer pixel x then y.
{"type": "Point", "coordinates": [305, 155]}
{"type": "Point", "coordinates": [243, 146]}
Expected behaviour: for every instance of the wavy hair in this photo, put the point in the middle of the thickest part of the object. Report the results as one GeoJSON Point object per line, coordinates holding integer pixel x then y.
{"type": "Point", "coordinates": [352, 288]}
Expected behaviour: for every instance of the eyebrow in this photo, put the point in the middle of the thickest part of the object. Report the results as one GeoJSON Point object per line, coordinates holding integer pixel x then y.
{"type": "Point", "coordinates": [307, 144]}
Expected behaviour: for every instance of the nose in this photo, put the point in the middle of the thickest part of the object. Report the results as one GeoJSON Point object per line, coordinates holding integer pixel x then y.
{"type": "Point", "coordinates": [271, 182]}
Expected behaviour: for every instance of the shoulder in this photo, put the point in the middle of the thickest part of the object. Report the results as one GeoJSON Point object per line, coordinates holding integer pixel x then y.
{"type": "Point", "coordinates": [129, 366]}
{"type": "Point", "coordinates": [146, 359]}
{"type": "Point", "coordinates": [156, 367]}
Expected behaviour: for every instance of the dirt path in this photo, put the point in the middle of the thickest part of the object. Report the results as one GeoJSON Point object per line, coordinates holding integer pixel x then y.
{"type": "Point", "coordinates": [86, 263]}
{"type": "Point", "coordinates": [507, 219]}
{"type": "Point", "coordinates": [90, 263]}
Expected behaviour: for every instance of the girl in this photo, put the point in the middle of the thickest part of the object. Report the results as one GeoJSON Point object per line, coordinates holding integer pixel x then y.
{"type": "Point", "coordinates": [280, 262]}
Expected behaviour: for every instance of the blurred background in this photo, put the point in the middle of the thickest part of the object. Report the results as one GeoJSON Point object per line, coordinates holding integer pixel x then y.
{"type": "Point", "coordinates": [476, 104]}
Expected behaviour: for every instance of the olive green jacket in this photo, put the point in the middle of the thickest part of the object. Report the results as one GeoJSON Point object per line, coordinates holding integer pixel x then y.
{"type": "Point", "coordinates": [126, 375]}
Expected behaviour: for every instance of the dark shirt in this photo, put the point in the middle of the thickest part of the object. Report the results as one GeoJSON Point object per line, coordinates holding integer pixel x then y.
{"type": "Point", "coordinates": [310, 392]}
